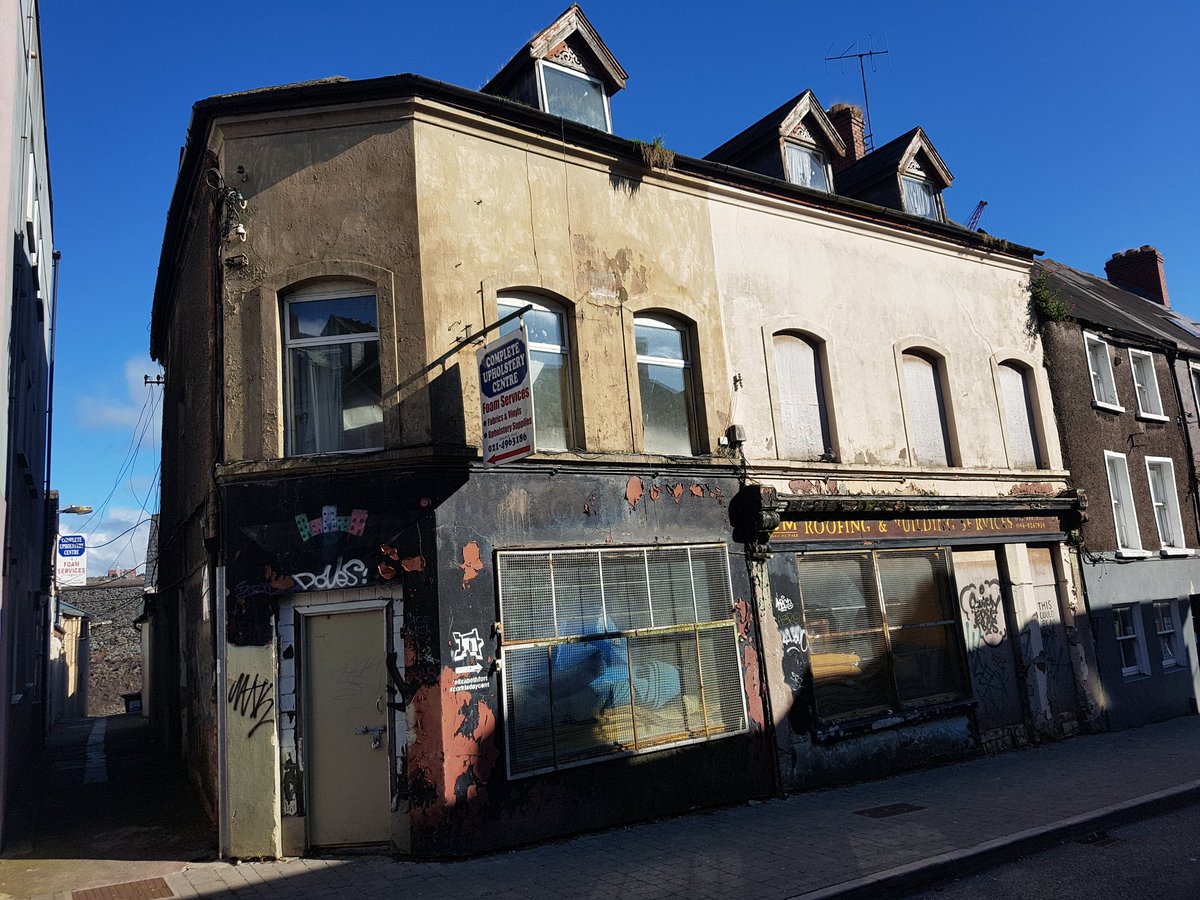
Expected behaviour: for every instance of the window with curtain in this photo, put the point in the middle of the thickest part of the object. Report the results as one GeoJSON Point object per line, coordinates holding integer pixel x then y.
{"type": "Point", "coordinates": [1124, 515]}
{"type": "Point", "coordinates": [665, 385]}
{"type": "Point", "coordinates": [1145, 384]}
{"type": "Point", "coordinates": [549, 367]}
{"type": "Point", "coordinates": [882, 631]}
{"type": "Point", "coordinates": [925, 411]}
{"type": "Point", "coordinates": [1160, 472]}
{"type": "Point", "coordinates": [920, 198]}
{"type": "Point", "coordinates": [332, 383]}
{"type": "Point", "coordinates": [613, 651]}
{"type": "Point", "coordinates": [1020, 426]}
{"type": "Point", "coordinates": [1104, 385]}
{"type": "Point", "coordinates": [806, 166]}
{"type": "Point", "coordinates": [800, 388]}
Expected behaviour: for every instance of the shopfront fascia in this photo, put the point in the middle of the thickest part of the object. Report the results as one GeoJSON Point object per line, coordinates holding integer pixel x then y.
{"type": "Point", "coordinates": [899, 630]}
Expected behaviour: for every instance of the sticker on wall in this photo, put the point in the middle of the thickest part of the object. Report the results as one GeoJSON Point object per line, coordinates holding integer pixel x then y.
{"type": "Point", "coordinates": [468, 656]}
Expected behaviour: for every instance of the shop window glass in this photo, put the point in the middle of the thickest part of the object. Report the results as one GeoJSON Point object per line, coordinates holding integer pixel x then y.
{"type": "Point", "coordinates": [616, 651]}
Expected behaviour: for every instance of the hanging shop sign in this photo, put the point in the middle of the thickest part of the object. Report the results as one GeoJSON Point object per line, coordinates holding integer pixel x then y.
{"type": "Point", "coordinates": [70, 560]}
{"type": "Point", "coordinates": [506, 398]}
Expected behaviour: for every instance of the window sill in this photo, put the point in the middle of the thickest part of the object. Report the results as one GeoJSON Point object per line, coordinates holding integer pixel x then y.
{"type": "Point", "coordinates": [1172, 669]}
{"type": "Point", "coordinates": [1133, 554]}
{"type": "Point", "coordinates": [1152, 417]}
{"type": "Point", "coordinates": [1107, 407]}
{"type": "Point", "coordinates": [1168, 552]}
{"type": "Point", "coordinates": [1137, 675]}
{"type": "Point", "coordinates": [830, 732]}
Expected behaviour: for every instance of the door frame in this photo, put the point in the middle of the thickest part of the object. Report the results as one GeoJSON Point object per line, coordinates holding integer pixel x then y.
{"type": "Point", "coordinates": [301, 612]}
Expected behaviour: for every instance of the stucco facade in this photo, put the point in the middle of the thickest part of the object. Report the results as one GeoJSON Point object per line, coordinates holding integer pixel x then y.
{"type": "Point", "coordinates": [585, 636]}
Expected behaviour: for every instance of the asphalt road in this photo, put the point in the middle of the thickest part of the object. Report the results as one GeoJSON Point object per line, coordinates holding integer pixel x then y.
{"type": "Point", "coordinates": [1157, 857]}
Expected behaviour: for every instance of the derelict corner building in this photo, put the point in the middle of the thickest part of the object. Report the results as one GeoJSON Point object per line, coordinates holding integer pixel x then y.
{"type": "Point", "coordinates": [795, 511]}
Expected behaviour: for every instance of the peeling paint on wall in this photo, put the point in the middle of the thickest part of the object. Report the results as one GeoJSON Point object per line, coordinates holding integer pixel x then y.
{"type": "Point", "coordinates": [633, 491]}
{"type": "Point", "coordinates": [472, 564]}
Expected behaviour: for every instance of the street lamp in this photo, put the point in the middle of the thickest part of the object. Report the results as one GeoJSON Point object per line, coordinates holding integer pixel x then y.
{"type": "Point", "coordinates": [75, 510]}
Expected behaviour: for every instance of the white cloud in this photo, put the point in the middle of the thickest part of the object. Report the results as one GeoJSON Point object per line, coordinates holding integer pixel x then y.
{"type": "Point", "coordinates": [108, 551]}
{"type": "Point", "coordinates": [106, 413]}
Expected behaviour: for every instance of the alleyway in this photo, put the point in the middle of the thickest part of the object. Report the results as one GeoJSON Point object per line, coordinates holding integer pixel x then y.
{"type": "Point", "coordinates": [102, 806]}
{"type": "Point", "coordinates": [869, 839]}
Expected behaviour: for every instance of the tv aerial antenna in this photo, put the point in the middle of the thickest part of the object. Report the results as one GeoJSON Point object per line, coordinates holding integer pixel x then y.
{"type": "Point", "coordinates": [863, 56]}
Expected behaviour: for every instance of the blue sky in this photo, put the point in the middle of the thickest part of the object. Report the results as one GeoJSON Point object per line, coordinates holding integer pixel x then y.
{"type": "Point", "coordinates": [1077, 122]}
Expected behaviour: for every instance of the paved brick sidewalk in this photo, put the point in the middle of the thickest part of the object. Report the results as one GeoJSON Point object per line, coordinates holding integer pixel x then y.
{"type": "Point", "coordinates": [807, 843]}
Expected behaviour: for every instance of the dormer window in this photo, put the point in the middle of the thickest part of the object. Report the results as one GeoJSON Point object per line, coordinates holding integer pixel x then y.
{"type": "Point", "coordinates": [807, 166]}
{"type": "Point", "coordinates": [921, 198]}
{"type": "Point", "coordinates": [573, 95]}
{"type": "Point", "coordinates": [566, 70]}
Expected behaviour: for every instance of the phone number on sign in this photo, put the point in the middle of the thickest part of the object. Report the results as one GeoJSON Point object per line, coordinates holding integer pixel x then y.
{"type": "Point", "coordinates": [507, 442]}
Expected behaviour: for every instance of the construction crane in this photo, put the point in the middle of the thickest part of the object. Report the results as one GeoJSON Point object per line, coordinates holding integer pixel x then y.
{"type": "Point", "coordinates": [973, 222]}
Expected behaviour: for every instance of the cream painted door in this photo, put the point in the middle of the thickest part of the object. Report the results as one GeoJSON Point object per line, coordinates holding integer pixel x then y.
{"type": "Point", "coordinates": [345, 687]}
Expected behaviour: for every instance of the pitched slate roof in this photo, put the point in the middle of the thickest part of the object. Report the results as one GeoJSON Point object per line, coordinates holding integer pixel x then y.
{"type": "Point", "coordinates": [1096, 301]}
{"type": "Point", "coordinates": [891, 158]}
{"type": "Point", "coordinates": [769, 126]}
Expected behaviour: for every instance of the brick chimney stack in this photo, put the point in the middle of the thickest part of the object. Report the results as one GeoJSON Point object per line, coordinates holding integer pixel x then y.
{"type": "Point", "coordinates": [1139, 271]}
{"type": "Point", "coordinates": [848, 123]}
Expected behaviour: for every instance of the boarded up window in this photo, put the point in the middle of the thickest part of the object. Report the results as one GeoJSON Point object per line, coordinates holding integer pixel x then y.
{"type": "Point", "coordinates": [925, 411]}
{"type": "Point", "coordinates": [616, 651]}
{"type": "Point", "coordinates": [804, 427]}
{"type": "Point", "coordinates": [1019, 425]}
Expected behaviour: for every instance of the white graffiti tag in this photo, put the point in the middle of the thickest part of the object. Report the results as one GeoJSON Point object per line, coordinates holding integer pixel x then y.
{"type": "Point", "coordinates": [467, 646]}
{"type": "Point", "coordinates": [782, 603]}
{"type": "Point", "coordinates": [794, 636]}
{"type": "Point", "coordinates": [351, 573]}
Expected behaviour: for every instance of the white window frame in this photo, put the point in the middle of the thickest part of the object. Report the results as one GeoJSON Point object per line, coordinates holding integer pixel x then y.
{"type": "Point", "coordinates": [666, 323]}
{"type": "Point", "coordinates": [509, 302]}
{"type": "Point", "coordinates": [821, 157]}
{"type": "Point", "coordinates": [1194, 377]}
{"type": "Point", "coordinates": [545, 100]}
{"type": "Point", "coordinates": [1167, 637]}
{"type": "Point", "coordinates": [1123, 511]}
{"type": "Point", "coordinates": [1172, 543]}
{"type": "Point", "coordinates": [935, 196]}
{"type": "Point", "coordinates": [1104, 376]}
{"type": "Point", "coordinates": [333, 289]}
{"type": "Point", "coordinates": [1139, 644]}
{"type": "Point", "coordinates": [1141, 364]}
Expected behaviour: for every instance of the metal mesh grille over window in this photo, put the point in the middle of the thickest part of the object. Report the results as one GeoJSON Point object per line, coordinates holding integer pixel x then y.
{"type": "Point", "coordinates": [608, 652]}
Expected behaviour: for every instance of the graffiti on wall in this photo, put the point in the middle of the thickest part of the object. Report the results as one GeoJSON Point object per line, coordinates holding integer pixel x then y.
{"type": "Point", "coordinates": [330, 522]}
{"type": "Point", "coordinates": [795, 664]}
{"type": "Point", "coordinates": [349, 574]}
{"type": "Point", "coordinates": [253, 700]}
{"type": "Point", "coordinates": [983, 606]}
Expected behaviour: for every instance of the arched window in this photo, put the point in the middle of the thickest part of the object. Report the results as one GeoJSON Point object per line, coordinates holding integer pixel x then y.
{"type": "Point", "coordinates": [665, 385]}
{"type": "Point", "coordinates": [550, 367]}
{"type": "Point", "coordinates": [804, 421]}
{"type": "Point", "coordinates": [332, 387]}
{"type": "Point", "coordinates": [925, 411]}
{"type": "Point", "coordinates": [1020, 426]}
